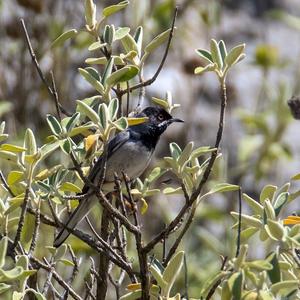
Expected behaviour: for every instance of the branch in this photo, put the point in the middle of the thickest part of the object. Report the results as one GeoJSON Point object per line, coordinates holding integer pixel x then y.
{"type": "Point", "coordinates": [164, 233]}
{"type": "Point", "coordinates": [22, 217]}
{"type": "Point", "coordinates": [151, 80]}
{"type": "Point", "coordinates": [238, 242]}
{"type": "Point", "coordinates": [56, 276]}
{"type": "Point", "coordinates": [51, 92]}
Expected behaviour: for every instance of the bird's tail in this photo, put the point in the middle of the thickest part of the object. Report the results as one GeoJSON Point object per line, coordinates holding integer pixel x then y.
{"type": "Point", "coordinates": [77, 215]}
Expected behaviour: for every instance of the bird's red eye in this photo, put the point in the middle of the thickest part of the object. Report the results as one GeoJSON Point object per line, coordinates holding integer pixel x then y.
{"type": "Point", "coordinates": [160, 117]}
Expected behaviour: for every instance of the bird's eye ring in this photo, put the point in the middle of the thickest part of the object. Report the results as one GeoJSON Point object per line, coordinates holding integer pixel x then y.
{"type": "Point", "coordinates": [160, 117]}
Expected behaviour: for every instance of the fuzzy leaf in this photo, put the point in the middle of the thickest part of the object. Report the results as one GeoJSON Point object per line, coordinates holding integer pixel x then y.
{"type": "Point", "coordinates": [107, 11]}
{"type": "Point", "coordinates": [63, 37]}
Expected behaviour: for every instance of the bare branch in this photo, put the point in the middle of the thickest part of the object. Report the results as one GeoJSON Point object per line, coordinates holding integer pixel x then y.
{"type": "Point", "coordinates": [151, 80]}
{"type": "Point", "coordinates": [51, 92]}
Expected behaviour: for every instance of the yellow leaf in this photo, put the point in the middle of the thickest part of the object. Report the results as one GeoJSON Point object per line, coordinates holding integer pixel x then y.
{"type": "Point", "coordinates": [291, 220]}
{"type": "Point", "coordinates": [14, 176]}
{"type": "Point", "coordinates": [144, 206]}
{"type": "Point", "coordinates": [133, 286]}
{"type": "Point", "coordinates": [90, 142]}
{"type": "Point", "coordinates": [12, 148]}
{"type": "Point", "coordinates": [136, 121]}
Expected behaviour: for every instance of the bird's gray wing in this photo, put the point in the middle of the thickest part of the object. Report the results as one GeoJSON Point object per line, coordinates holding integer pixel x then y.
{"type": "Point", "coordinates": [115, 143]}
{"type": "Point", "coordinates": [86, 204]}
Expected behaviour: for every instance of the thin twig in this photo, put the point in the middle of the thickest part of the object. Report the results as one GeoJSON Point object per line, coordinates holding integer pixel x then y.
{"type": "Point", "coordinates": [36, 229]}
{"type": "Point", "coordinates": [39, 70]}
{"type": "Point", "coordinates": [238, 242]}
{"type": "Point", "coordinates": [22, 217]}
{"type": "Point", "coordinates": [4, 182]}
{"type": "Point", "coordinates": [193, 198]}
{"type": "Point", "coordinates": [154, 77]}
{"type": "Point", "coordinates": [55, 96]}
{"type": "Point", "coordinates": [46, 266]}
{"type": "Point", "coordinates": [214, 287]}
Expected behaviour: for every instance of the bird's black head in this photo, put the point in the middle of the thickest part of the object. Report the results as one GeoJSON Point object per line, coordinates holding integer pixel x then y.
{"type": "Point", "coordinates": [159, 119]}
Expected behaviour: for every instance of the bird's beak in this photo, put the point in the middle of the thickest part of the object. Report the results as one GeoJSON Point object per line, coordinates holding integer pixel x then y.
{"type": "Point", "coordinates": [173, 120]}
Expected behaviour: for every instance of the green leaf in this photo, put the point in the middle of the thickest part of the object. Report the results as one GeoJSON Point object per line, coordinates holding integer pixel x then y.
{"type": "Point", "coordinates": [102, 61]}
{"type": "Point", "coordinates": [9, 156]}
{"type": "Point", "coordinates": [121, 123]}
{"type": "Point", "coordinates": [90, 79]}
{"type": "Point", "coordinates": [72, 121]}
{"type": "Point", "coordinates": [201, 70]}
{"type": "Point", "coordinates": [113, 108]}
{"type": "Point", "coordinates": [275, 229]}
{"type": "Point", "coordinates": [69, 187]}
{"type": "Point", "coordinates": [202, 150]}
{"type": "Point", "coordinates": [3, 137]}
{"type": "Point", "coordinates": [103, 115]}
{"type": "Point", "coordinates": [88, 111]}
{"type": "Point", "coordinates": [90, 13]}
{"type": "Point", "coordinates": [247, 233]}
{"type": "Point", "coordinates": [274, 274]}
{"type": "Point", "coordinates": [160, 102]}
{"type": "Point", "coordinates": [4, 287]}
{"type": "Point", "coordinates": [121, 32]}
{"type": "Point", "coordinates": [138, 37]}
{"type": "Point", "coordinates": [3, 249]}
{"type": "Point", "coordinates": [96, 46]}
{"type": "Point", "coordinates": [155, 174]}
{"type": "Point", "coordinates": [248, 220]}
{"type": "Point", "coordinates": [109, 34]}
{"type": "Point", "coordinates": [93, 72]}
{"type": "Point", "coordinates": [171, 271]}
{"type": "Point", "coordinates": [107, 70]}
{"type": "Point", "coordinates": [12, 148]}
{"type": "Point", "coordinates": [157, 41]}
{"type": "Point", "coordinates": [173, 191]}
{"type": "Point", "coordinates": [61, 251]}
{"type": "Point", "coordinates": [63, 37]}
{"type": "Point", "coordinates": [54, 125]}
{"type": "Point", "coordinates": [67, 262]}
{"type": "Point", "coordinates": [30, 142]}
{"type": "Point", "coordinates": [175, 151]}
{"type": "Point", "coordinates": [132, 295]}
{"type": "Point", "coordinates": [12, 274]}
{"type": "Point", "coordinates": [14, 177]}
{"type": "Point", "coordinates": [107, 11]}
{"type": "Point", "coordinates": [223, 187]}
{"type": "Point", "coordinates": [205, 54]}
{"type": "Point", "coordinates": [256, 207]}
{"type": "Point", "coordinates": [66, 146]}
{"type": "Point", "coordinates": [283, 288]}
{"type": "Point", "coordinates": [235, 283]}
{"type": "Point", "coordinates": [260, 265]}
{"type": "Point", "coordinates": [215, 53]}
{"type": "Point", "coordinates": [129, 43]}
{"type": "Point", "coordinates": [158, 276]}
{"type": "Point", "coordinates": [37, 295]}
{"type": "Point", "coordinates": [234, 55]}
{"type": "Point", "coordinates": [280, 201]}
{"type": "Point", "coordinates": [267, 193]}
{"type": "Point", "coordinates": [223, 50]}
{"type": "Point", "coordinates": [211, 282]}
{"type": "Point", "coordinates": [186, 153]}
{"type": "Point", "coordinates": [296, 177]}
{"type": "Point", "coordinates": [121, 75]}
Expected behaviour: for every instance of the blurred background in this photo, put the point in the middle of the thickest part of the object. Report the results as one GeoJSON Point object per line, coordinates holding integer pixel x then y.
{"type": "Point", "coordinates": [261, 143]}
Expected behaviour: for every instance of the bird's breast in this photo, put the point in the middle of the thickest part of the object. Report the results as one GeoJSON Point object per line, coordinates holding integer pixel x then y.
{"type": "Point", "coordinates": [132, 158]}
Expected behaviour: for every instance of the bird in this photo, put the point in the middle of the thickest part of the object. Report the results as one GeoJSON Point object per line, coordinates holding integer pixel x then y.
{"type": "Point", "coordinates": [128, 152]}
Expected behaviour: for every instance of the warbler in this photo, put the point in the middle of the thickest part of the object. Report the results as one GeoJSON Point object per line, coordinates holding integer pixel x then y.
{"type": "Point", "coordinates": [128, 152]}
